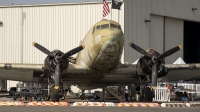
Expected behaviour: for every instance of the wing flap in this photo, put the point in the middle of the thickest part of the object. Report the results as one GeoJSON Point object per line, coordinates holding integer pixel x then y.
{"type": "Point", "coordinates": [182, 72]}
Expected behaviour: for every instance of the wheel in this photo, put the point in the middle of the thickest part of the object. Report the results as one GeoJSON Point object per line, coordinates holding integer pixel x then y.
{"type": "Point", "coordinates": [62, 97]}
{"type": "Point", "coordinates": [55, 94]}
{"type": "Point", "coordinates": [14, 98]}
{"type": "Point", "coordinates": [38, 98]}
{"type": "Point", "coordinates": [148, 94]}
{"type": "Point", "coordinates": [46, 98]}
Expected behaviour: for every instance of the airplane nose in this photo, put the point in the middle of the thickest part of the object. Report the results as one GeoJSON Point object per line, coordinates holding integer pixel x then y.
{"type": "Point", "coordinates": [112, 37]}
{"type": "Point", "coordinates": [115, 36]}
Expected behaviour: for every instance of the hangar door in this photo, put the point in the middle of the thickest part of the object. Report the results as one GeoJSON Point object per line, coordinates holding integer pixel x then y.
{"type": "Point", "coordinates": [166, 33]}
{"type": "Point", "coordinates": [191, 42]}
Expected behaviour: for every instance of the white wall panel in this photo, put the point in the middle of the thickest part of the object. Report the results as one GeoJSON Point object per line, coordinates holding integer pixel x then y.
{"type": "Point", "coordinates": [55, 26]}
{"type": "Point", "coordinates": [10, 35]}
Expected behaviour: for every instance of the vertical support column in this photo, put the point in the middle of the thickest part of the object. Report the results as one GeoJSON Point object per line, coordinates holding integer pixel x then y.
{"type": "Point", "coordinates": [48, 87]}
{"type": "Point", "coordinates": [164, 34]}
{"type": "Point", "coordinates": [103, 98]}
{"type": "Point", "coordinates": [195, 90]}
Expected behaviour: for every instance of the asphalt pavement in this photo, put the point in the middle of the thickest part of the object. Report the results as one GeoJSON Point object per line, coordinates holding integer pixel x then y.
{"type": "Point", "coordinates": [96, 109]}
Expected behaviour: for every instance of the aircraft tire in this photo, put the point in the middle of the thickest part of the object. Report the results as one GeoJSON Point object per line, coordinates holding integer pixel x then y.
{"type": "Point", "coordinates": [55, 94]}
{"type": "Point", "coordinates": [46, 98]}
{"type": "Point", "coordinates": [62, 97]}
{"type": "Point", "coordinates": [148, 94]}
{"type": "Point", "coordinates": [38, 98]}
{"type": "Point", "coordinates": [14, 98]}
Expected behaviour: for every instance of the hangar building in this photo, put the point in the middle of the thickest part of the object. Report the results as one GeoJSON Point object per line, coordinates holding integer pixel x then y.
{"type": "Point", "coordinates": [163, 24]}
{"type": "Point", "coordinates": [158, 24]}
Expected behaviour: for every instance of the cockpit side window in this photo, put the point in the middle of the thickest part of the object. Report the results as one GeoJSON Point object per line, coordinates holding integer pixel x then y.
{"type": "Point", "coordinates": [93, 30]}
{"type": "Point", "coordinates": [113, 26]}
{"type": "Point", "coordinates": [98, 27]}
{"type": "Point", "coordinates": [105, 26]}
{"type": "Point", "coordinates": [119, 27]}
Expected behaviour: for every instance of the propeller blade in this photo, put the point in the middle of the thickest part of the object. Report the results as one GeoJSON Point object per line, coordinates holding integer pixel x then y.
{"type": "Point", "coordinates": [154, 76]}
{"type": "Point", "coordinates": [57, 76]}
{"type": "Point", "coordinates": [170, 52]}
{"type": "Point", "coordinates": [140, 50]}
{"type": "Point", "coordinates": [43, 49]}
{"type": "Point", "coordinates": [73, 51]}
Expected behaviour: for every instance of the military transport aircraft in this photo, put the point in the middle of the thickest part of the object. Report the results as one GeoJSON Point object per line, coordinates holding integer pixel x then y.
{"type": "Point", "coordinates": [98, 64]}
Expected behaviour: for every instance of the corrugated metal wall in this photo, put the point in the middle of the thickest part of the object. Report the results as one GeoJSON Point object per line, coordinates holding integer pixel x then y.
{"type": "Point", "coordinates": [138, 31]}
{"type": "Point", "coordinates": [55, 26]}
{"type": "Point", "coordinates": [173, 37]}
{"type": "Point", "coordinates": [181, 9]}
{"type": "Point", "coordinates": [166, 33]}
{"type": "Point", "coordinates": [10, 35]}
{"type": "Point", "coordinates": [157, 31]}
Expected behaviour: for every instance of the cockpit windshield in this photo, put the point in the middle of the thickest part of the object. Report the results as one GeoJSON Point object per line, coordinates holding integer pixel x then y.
{"type": "Point", "coordinates": [119, 27]}
{"type": "Point", "coordinates": [98, 27]}
{"type": "Point", "coordinates": [103, 26]}
{"type": "Point", "coordinates": [113, 26]}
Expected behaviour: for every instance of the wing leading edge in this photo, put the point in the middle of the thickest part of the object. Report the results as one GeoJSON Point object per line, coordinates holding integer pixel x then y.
{"type": "Point", "coordinates": [32, 72]}
{"type": "Point", "coordinates": [19, 72]}
{"type": "Point", "coordinates": [181, 72]}
{"type": "Point", "coordinates": [125, 73]}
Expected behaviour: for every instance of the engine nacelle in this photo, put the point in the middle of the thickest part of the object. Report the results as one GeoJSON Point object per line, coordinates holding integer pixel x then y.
{"type": "Point", "coordinates": [49, 62]}
{"type": "Point", "coordinates": [144, 65]}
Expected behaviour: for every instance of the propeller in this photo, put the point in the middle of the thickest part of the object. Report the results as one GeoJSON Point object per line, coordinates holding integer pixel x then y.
{"type": "Point", "coordinates": [57, 59]}
{"type": "Point", "coordinates": [155, 60]}
{"type": "Point", "coordinates": [43, 49]}
{"type": "Point", "coordinates": [140, 50]}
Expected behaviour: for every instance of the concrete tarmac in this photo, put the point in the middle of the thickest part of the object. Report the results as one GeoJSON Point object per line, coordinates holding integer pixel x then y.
{"type": "Point", "coordinates": [96, 109]}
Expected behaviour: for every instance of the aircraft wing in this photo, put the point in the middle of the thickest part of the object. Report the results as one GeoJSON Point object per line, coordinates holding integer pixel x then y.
{"type": "Point", "coordinates": [32, 72]}
{"type": "Point", "coordinates": [74, 74]}
{"type": "Point", "coordinates": [182, 72]}
{"type": "Point", "coordinates": [20, 72]}
{"type": "Point", "coordinates": [125, 73]}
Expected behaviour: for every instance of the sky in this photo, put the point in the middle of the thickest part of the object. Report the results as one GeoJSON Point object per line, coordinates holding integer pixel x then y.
{"type": "Point", "coordinates": [22, 2]}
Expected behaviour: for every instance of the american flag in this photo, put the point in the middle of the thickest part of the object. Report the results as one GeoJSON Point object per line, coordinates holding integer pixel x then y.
{"type": "Point", "coordinates": [106, 9]}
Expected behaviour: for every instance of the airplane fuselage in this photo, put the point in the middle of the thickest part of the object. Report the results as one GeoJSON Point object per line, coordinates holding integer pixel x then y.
{"type": "Point", "coordinates": [103, 47]}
